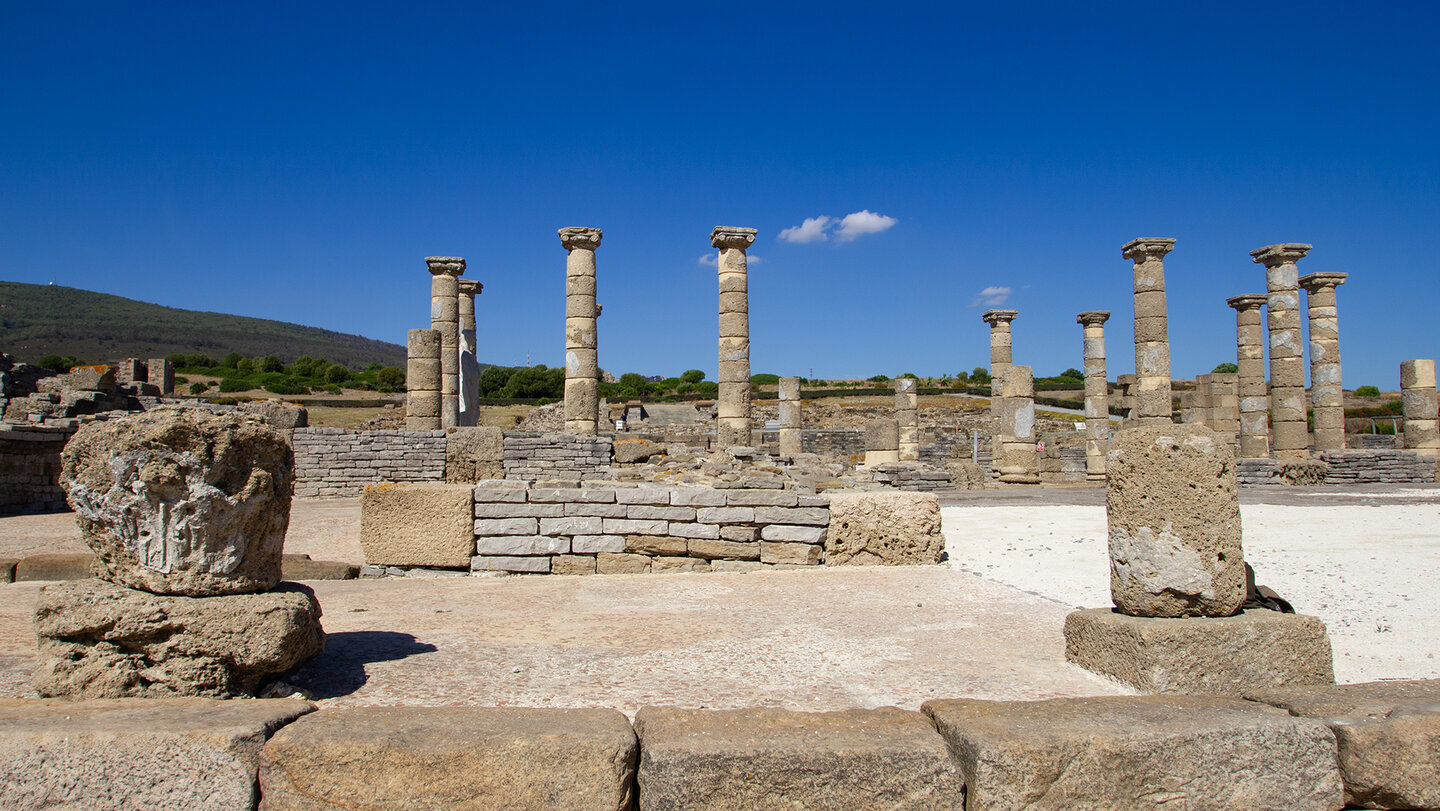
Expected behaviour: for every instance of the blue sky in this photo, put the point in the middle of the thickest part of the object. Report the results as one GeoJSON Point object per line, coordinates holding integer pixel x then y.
{"type": "Point", "coordinates": [297, 161]}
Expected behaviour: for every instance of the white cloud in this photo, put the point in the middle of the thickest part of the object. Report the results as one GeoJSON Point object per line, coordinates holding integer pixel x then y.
{"type": "Point", "coordinates": [812, 230]}
{"type": "Point", "coordinates": [861, 223]}
{"type": "Point", "coordinates": [991, 296]}
{"type": "Point", "coordinates": [713, 259]}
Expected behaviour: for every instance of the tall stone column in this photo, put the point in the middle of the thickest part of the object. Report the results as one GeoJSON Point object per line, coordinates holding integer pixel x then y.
{"type": "Point", "coordinates": [469, 361]}
{"type": "Point", "coordinates": [1097, 393]}
{"type": "Point", "coordinates": [1291, 437]}
{"type": "Point", "coordinates": [1250, 380]}
{"type": "Point", "coordinates": [1000, 359]}
{"type": "Point", "coordinates": [1018, 462]}
{"type": "Point", "coordinates": [732, 425]}
{"type": "Point", "coordinates": [445, 316]}
{"type": "Point", "coordinates": [790, 417]}
{"type": "Point", "coordinates": [582, 359]}
{"type": "Point", "coordinates": [422, 380]}
{"type": "Point", "coordinates": [907, 419]}
{"type": "Point", "coordinates": [1418, 395]}
{"type": "Point", "coordinates": [1326, 397]}
{"type": "Point", "coordinates": [1152, 331]}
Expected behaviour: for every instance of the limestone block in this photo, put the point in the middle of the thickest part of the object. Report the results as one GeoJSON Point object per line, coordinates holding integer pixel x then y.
{"type": "Point", "coordinates": [452, 758]}
{"type": "Point", "coordinates": [739, 534]}
{"type": "Point", "coordinates": [474, 453]}
{"type": "Point", "coordinates": [506, 526]}
{"type": "Point", "coordinates": [277, 413]}
{"type": "Point", "coordinates": [295, 568]}
{"type": "Point", "coordinates": [1148, 752]}
{"type": "Point", "coordinates": [422, 405]}
{"type": "Point", "coordinates": [182, 501]}
{"type": "Point", "coordinates": [631, 450]}
{"type": "Point", "coordinates": [733, 550]}
{"type": "Point", "coordinates": [801, 554]}
{"type": "Point", "coordinates": [55, 566]}
{"type": "Point", "coordinates": [735, 325]}
{"type": "Point", "coordinates": [417, 525]}
{"type": "Point", "coordinates": [780, 759]}
{"type": "Point", "coordinates": [882, 435]}
{"type": "Point", "coordinates": [678, 564]}
{"type": "Point", "coordinates": [689, 530]}
{"type": "Point", "coordinates": [1173, 511]}
{"type": "Point", "coordinates": [1415, 374]}
{"type": "Point", "coordinates": [1227, 655]}
{"type": "Point", "coordinates": [521, 545]}
{"type": "Point", "coordinates": [655, 545]}
{"type": "Point", "coordinates": [509, 563]}
{"type": "Point", "coordinates": [591, 544]}
{"type": "Point", "coordinates": [890, 529]}
{"type": "Point", "coordinates": [7, 570]}
{"type": "Point", "coordinates": [100, 640]}
{"type": "Point", "coordinates": [797, 534]}
{"type": "Point", "coordinates": [572, 564]}
{"type": "Point", "coordinates": [1388, 735]}
{"type": "Point", "coordinates": [171, 754]}
{"type": "Point", "coordinates": [422, 374]}
{"type": "Point", "coordinates": [622, 563]}
{"type": "Point", "coordinates": [91, 378]}
{"type": "Point", "coordinates": [736, 565]}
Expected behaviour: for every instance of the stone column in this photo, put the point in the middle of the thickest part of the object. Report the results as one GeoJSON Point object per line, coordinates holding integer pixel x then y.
{"type": "Point", "coordinates": [1018, 461]}
{"type": "Point", "coordinates": [1152, 331]}
{"type": "Point", "coordinates": [445, 316]}
{"type": "Point", "coordinates": [422, 380]}
{"type": "Point", "coordinates": [469, 362]}
{"type": "Point", "coordinates": [1326, 397]}
{"type": "Point", "coordinates": [160, 372]}
{"type": "Point", "coordinates": [1417, 393]}
{"type": "Point", "coordinates": [1291, 437]}
{"type": "Point", "coordinates": [882, 440]}
{"type": "Point", "coordinates": [1097, 393]}
{"type": "Point", "coordinates": [907, 419]}
{"type": "Point", "coordinates": [790, 417]}
{"type": "Point", "coordinates": [1125, 388]}
{"type": "Point", "coordinates": [1250, 380]}
{"type": "Point", "coordinates": [582, 359]}
{"type": "Point", "coordinates": [1000, 359]}
{"type": "Point", "coordinates": [732, 424]}
{"type": "Point", "coordinates": [1223, 416]}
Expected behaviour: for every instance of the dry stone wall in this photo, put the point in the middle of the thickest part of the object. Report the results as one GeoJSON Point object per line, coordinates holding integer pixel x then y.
{"type": "Point", "coordinates": [1378, 465]}
{"type": "Point", "coordinates": [557, 456]}
{"type": "Point", "coordinates": [30, 468]}
{"type": "Point", "coordinates": [334, 462]}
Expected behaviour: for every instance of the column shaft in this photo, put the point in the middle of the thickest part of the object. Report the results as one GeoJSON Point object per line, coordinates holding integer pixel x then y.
{"type": "Point", "coordinates": [1290, 435]}
{"type": "Point", "coordinates": [1019, 462]}
{"type": "Point", "coordinates": [1001, 357]}
{"type": "Point", "coordinates": [582, 360]}
{"type": "Point", "coordinates": [1327, 398]}
{"type": "Point", "coordinates": [732, 425]}
{"type": "Point", "coordinates": [1253, 393]}
{"type": "Point", "coordinates": [1153, 404]}
{"type": "Point", "coordinates": [1418, 395]}
{"type": "Point", "coordinates": [1097, 394]}
{"type": "Point", "coordinates": [422, 380]}
{"type": "Point", "coordinates": [790, 420]}
{"type": "Point", "coordinates": [907, 419]}
{"type": "Point", "coordinates": [445, 317]}
{"type": "Point", "coordinates": [469, 360]}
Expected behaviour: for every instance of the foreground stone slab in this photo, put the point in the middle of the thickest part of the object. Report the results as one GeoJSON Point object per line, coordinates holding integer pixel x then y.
{"type": "Point", "coordinates": [451, 758]}
{"type": "Point", "coordinates": [1388, 734]}
{"type": "Point", "coordinates": [143, 754]}
{"type": "Point", "coordinates": [100, 640]}
{"type": "Point", "coordinates": [779, 759]}
{"type": "Point", "coordinates": [301, 567]}
{"type": "Point", "coordinates": [417, 525]}
{"type": "Point", "coordinates": [55, 566]}
{"type": "Point", "coordinates": [1224, 655]}
{"type": "Point", "coordinates": [1117, 753]}
{"type": "Point", "coordinates": [891, 529]}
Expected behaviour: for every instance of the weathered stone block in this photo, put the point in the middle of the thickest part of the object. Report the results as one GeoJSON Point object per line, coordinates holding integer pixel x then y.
{"type": "Point", "coordinates": [55, 566]}
{"type": "Point", "coordinates": [633, 526]}
{"type": "Point", "coordinates": [655, 545]}
{"type": "Point", "coordinates": [171, 754]}
{"type": "Point", "coordinates": [884, 528]}
{"type": "Point", "coordinates": [7, 570]}
{"type": "Point", "coordinates": [521, 545]}
{"type": "Point", "coordinates": [1120, 752]}
{"type": "Point", "coordinates": [452, 758]}
{"type": "Point", "coordinates": [632, 450]}
{"type": "Point", "coordinates": [506, 526]}
{"type": "Point", "coordinates": [572, 564]}
{"type": "Point", "coordinates": [784, 532]}
{"type": "Point", "coordinates": [473, 453]}
{"type": "Point", "coordinates": [703, 548]}
{"type": "Point", "coordinates": [799, 554]}
{"type": "Point", "coordinates": [509, 563]}
{"type": "Point", "coordinates": [737, 565]}
{"type": "Point", "coordinates": [417, 524]}
{"type": "Point", "coordinates": [668, 563]}
{"type": "Point", "coordinates": [703, 531]}
{"type": "Point", "coordinates": [572, 525]}
{"type": "Point", "coordinates": [812, 516]}
{"type": "Point", "coordinates": [301, 567]}
{"type": "Point", "coordinates": [761, 498]}
{"type": "Point", "coordinates": [621, 563]}
{"type": "Point", "coordinates": [779, 759]}
{"type": "Point", "coordinates": [697, 497]}
{"type": "Point", "coordinates": [591, 544]}
{"type": "Point", "coordinates": [1227, 655]}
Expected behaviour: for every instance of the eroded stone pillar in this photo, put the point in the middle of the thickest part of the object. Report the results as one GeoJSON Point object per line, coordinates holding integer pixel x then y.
{"type": "Point", "coordinates": [1290, 438]}
{"type": "Point", "coordinates": [790, 417]}
{"type": "Point", "coordinates": [1152, 332]}
{"type": "Point", "coordinates": [1326, 397]}
{"type": "Point", "coordinates": [907, 419]}
{"type": "Point", "coordinates": [469, 361]}
{"type": "Point", "coordinates": [1223, 404]}
{"type": "Point", "coordinates": [1018, 461]}
{"type": "Point", "coordinates": [1254, 394]}
{"type": "Point", "coordinates": [1418, 396]}
{"type": "Point", "coordinates": [160, 372]}
{"type": "Point", "coordinates": [445, 317]}
{"type": "Point", "coordinates": [1001, 355]}
{"type": "Point", "coordinates": [422, 380]}
{"type": "Point", "coordinates": [732, 424]}
{"type": "Point", "coordinates": [1097, 393]}
{"type": "Point", "coordinates": [582, 359]}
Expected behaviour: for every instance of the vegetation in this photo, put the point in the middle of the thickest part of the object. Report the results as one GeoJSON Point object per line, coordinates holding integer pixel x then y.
{"type": "Point", "coordinates": [1367, 391]}
{"type": "Point", "coordinates": [304, 376]}
{"type": "Point", "coordinates": [1224, 368]}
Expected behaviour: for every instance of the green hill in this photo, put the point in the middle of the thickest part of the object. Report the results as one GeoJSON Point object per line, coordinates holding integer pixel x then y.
{"type": "Point", "coordinates": [38, 320]}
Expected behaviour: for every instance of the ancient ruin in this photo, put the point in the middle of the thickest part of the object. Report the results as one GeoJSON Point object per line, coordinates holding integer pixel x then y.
{"type": "Point", "coordinates": [732, 426]}
{"type": "Point", "coordinates": [1097, 393]}
{"type": "Point", "coordinates": [582, 360]}
{"type": "Point", "coordinates": [1327, 399]}
{"type": "Point", "coordinates": [1290, 438]}
{"type": "Point", "coordinates": [469, 381]}
{"type": "Point", "coordinates": [445, 274]}
{"type": "Point", "coordinates": [1253, 392]}
{"type": "Point", "coordinates": [1418, 397]}
{"type": "Point", "coordinates": [1152, 333]}
{"type": "Point", "coordinates": [423, 378]}
{"type": "Point", "coordinates": [790, 421]}
{"type": "Point", "coordinates": [907, 420]}
{"type": "Point", "coordinates": [1001, 356]}
{"type": "Point", "coordinates": [1017, 461]}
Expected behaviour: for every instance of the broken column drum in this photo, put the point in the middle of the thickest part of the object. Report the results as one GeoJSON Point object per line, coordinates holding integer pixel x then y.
{"type": "Point", "coordinates": [732, 426]}
{"type": "Point", "coordinates": [1018, 462]}
{"type": "Point", "coordinates": [1000, 359]}
{"type": "Point", "coordinates": [1250, 361]}
{"type": "Point", "coordinates": [1326, 396]}
{"type": "Point", "coordinates": [789, 394]}
{"type": "Point", "coordinates": [1152, 332]}
{"type": "Point", "coordinates": [445, 317]}
{"type": "Point", "coordinates": [1290, 438]}
{"type": "Point", "coordinates": [1097, 393]}
{"type": "Point", "coordinates": [1418, 397]}
{"type": "Point", "coordinates": [907, 419]}
{"type": "Point", "coordinates": [469, 360]}
{"type": "Point", "coordinates": [422, 380]}
{"type": "Point", "coordinates": [582, 360]}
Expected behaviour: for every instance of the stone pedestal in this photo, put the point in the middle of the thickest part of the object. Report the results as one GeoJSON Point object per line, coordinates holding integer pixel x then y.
{"type": "Point", "coordinates": [732, 425]}
{"type": "Point", "coordinates": [1018, 462]}
{"type": "Point", "coordinates": [907, 419]}
{"type": "Point", "coordinates": [1001, 356]}
{"type": "Point", "coordinates": [1097, 393]}
{"type": "Point", "coordinates": [469, 361]}
{"type": "Point", "coordinates": [1418, 395]}
{"type": "Point", "coordinates": [1125, 390]}
{"type": "Point", "coordinates": [422, 380]}
{"type": "Point", "coordinates": [1152, 332]}
{"type": "Point", "coordinates": [1253, 393]}
{"type": "Point", "coordinates": [445, 318]}
{"type": "Point", "coordinates": [582, 360]}
{"type": "Point", "coordinates": [1290, 438]}
{"type": "Point", "coordinates": [1326, 397]}
{"type": "Point", "coordinates": [882, 442]}
{"type": "Point", "coordinates": [790, 417]}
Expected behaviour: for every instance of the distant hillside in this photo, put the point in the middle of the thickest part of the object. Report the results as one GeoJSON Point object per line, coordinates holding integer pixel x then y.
{"type": "Point", "coordinates": [38, 320]}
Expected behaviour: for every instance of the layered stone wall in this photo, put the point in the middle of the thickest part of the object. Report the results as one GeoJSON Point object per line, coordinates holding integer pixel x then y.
{"type": "Point", "coordinates": [558, 456]}
{"type": "Point", "coordinates": [30, 468]}
{"type": "Point", "coordinates": [334, 462]}
{"type": "Point", "coordinates": [1380, 466]}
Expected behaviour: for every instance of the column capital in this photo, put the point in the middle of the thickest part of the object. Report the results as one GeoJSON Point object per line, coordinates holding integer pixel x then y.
{"type": "Point", "coordinates": [1142, 249]}
{"type": "Point", "coordinates": [445, 265]}
{"type": "Point", "coordinates": [1315, 281]}
{"type": "Point", "coordinates": [1093, 317]}
{"type": "Point", "coordinates": [729, 236]}
{"type": "Point", "coordinates": [1250, 301]}
{"type": "Point", "coordinates": [579, 237]}
{"type": "Point", "coordinates": [1279, 254]}
{"type": "Point", "coordinates": [995, 317]}
{"type": "Point", "coordinates": [470, 287]}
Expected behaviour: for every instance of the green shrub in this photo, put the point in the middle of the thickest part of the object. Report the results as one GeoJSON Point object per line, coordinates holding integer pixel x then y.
{"type": "Point", "coordinates": [233, 384]}
{"type": "Point", "coordinates": [707, 388]}
{"type": "Point", "coordinates": [232, 360]}
{"type": "Point", "coordinates": [692, 376]}
{"type": "Point", "coordinates": [1225, 368]}
{"type": "Point", "coordinates": [336, 374]}
{"type": "Point", "coordinates": [197, 388]}
{"type": "Point", "coordinates": [764, 380]}
{"type": "Point", "coordinates": [878, 378]}
{"type": "Point", "coordinates": [286, 385]}
{"type": "Point", "coordinates": [271, 363]}
{"type": "Point", "coordinates": [1367, 391]}
{"type": "Point", "coordinates": [389, 379]}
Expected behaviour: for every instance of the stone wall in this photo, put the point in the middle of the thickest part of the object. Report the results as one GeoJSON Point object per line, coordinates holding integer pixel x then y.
{"type": "Point", "coordinates": [558, 456]}
{"type": "Point", "coordinates": [1372, 441]}
{"type": "Point", "coordinates": [30, 468]}
{"type": "Point", "coordinates": [334, 462]}
{"type": "Point", "coordinates": [912, 477]}
{"type": "Point", "coordinates": [1379, 466]}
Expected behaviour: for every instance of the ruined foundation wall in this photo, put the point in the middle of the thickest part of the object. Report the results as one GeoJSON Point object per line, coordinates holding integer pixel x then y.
{"type": "Point", "coordinates": [30, 468]}
{"type": "Point", "coordinates": [334, 462]}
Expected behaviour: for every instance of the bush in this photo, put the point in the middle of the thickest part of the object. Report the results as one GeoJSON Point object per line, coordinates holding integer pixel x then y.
{"type": "Point", "coordinates": [286, 385]}
{"type": "Point", "coordinates": [232, 360]}
{"type": "Point", "coordinates": [1074, 374]}
{"type": "Point", "coordinates": [57, 363]}
{"type": "Point", "coordinates": [692, 376]}
{"type": "Point", "coordinates": [1367, 391]}
{"type": "Point", "coordinates": [197, 388]}
{"type": "Point", "coordinates": [879, 379]}
{"type": "Point", "coordinates": [337, 374]}
{"type": "Point", "coordinates": [245, 366]}
{"type": "Point", "coordinates": [1225, 368]}
{"type": "Point", "coordinates": [707, 388]}
{"type": "Point", "coordinates": [233, 384]}
{"type": "Point", "coordinates": [270, 363]}
{"type": "Point", "coordinates": [764, 380]}
{"type": "Point", "coordinates": [389, 379]}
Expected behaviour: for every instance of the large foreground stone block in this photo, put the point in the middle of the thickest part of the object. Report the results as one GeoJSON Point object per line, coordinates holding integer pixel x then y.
{"type": "Point", "coordinates": [100, 640]}
{"type": "Point", "coordinates": [1118, 753]}
{"type": "Point", "coordinates": [55, 566]}
{"type": "Point", "coordinates": [1388, 734]}
{"type": "Point", "coordinates": [417, 524]}
{"type": "Point", "coordinates": [1225, 655]}
{"type": "Point", "coordinates": [452, 758]}
{"type": "Point", "coordinates": [893, 529]}
{"type": "Point", "coordinates": [179, 754]}
{"type": "Point", "coordinates": [779, 759]}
